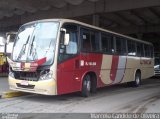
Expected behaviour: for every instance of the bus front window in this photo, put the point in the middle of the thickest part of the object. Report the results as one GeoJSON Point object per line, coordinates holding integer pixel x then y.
{"type": "Point", "coordinates": [36, 41]}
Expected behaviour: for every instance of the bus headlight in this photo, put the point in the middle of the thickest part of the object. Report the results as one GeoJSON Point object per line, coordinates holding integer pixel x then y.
{"type": "Point", "coordinates": [46, 76]}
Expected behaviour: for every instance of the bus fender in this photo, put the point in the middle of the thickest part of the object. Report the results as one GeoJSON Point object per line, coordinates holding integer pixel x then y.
{"type": "Point", "coordinates": [84, 74]}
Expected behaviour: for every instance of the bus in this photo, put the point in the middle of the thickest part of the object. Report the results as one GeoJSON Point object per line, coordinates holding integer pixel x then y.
{"type": "Point", "coordinates": [59, 56]}
{"type": "Point", "coordinates": [157, 64]}
{"type": "Point", "coordinates": [5, 51]}
{"type": "Point", "coordinates": [3, 62]}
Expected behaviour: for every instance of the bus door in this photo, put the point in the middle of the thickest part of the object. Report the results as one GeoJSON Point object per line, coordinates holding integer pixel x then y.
{"type": "Point", "coordinates": [67, 80]}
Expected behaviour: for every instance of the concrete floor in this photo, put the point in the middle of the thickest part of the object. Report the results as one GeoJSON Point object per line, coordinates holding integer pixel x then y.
{"type": "Point", "coordinates": [116, 99]}
{"type": "Point", "coordinates": [3, 85]}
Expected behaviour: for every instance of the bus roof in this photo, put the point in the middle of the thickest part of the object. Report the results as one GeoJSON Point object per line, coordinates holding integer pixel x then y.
{"type": "Point", "coordinates": [88, 25]}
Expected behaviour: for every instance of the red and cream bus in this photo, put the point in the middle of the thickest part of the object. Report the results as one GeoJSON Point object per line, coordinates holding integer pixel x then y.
{"type": "Point", "coordinates": [59, 56]}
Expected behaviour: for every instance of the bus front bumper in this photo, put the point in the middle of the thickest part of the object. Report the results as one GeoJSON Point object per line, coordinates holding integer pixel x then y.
{"type": "Point", "coordinates": [46, 87]}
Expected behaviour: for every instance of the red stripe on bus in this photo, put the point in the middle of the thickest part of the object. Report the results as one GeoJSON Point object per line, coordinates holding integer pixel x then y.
{"type": "Point", "coordinates": [114, 67]}
{"type": "Point", "coordinates": [41, 61]}
{"type": "Point", "coordinates": [22, 65]}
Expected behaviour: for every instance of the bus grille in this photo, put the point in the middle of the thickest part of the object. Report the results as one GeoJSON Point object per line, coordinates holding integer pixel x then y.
{"type": "Point", "coordinates": [28, 76]}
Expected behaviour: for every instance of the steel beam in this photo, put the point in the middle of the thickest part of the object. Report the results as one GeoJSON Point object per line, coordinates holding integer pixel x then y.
{"type": "Point", "coordinates": [137, 29]}
{"type": "Point", "coordinates": [86, 8]}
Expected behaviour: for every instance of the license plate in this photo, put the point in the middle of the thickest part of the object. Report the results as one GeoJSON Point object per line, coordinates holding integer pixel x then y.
{"type": "Point", "coordinates": [25, 83]}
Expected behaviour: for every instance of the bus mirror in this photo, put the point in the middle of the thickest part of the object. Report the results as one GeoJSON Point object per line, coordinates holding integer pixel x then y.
{"type": "Point", "coordinates": [10, 36]}
{"type": "Point", "coordinates": [66, 39]}
{"type": "Point", "coordinates": [66, 36]}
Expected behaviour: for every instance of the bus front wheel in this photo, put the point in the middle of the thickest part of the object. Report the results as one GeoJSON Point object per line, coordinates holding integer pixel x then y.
{"type": "Point", "coordinates": [86, 86]}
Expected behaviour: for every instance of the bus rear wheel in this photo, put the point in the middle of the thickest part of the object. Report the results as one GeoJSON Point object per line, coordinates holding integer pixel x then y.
{"type": "Point", "coordinates": [137, 80]}
{"type": "Point", "coordinates": [86, 86]}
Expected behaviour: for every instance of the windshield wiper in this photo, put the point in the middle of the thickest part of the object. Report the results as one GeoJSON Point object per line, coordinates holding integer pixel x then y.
{"type": "Point", "coordinates": [49, 47]}
{"type": "Point", "coordinates": [32, 45]}
{"type": "Point", "coordinates": [23, 49]}
{"type": "Point", "coordinates": [31, 49]}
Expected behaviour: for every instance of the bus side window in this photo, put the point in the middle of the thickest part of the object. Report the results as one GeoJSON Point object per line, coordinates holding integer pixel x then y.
{"type": "Point", "coordinates": [72, 48]}
{"type": "Point", "coordinates": [152, 51]}
{"type": "Point", "coordinates": [105, 39]}
{"type": "Point", "coordinates": [120, 46]}
{"type": "Point", "coordinates": [147, 50]}
{"type": "Point", "coordinates": [95, 44]}
{"type": "Point", "coordinates": [138, 49]}
{"type": "Point", "coordinates": [112, 46]}
{"type": "Point", "coordinates": [107, 42]}
{"type": "Point", "coordinates": [90, 40]}
{"type": "Point", "coordinates": [131, 48]}
{"type": "Point", "coordinates": [86, 43]}
{"type": "Point", "coordinates": [142, 50]}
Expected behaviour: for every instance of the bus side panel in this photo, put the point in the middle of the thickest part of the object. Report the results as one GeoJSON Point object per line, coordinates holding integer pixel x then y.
{"type": "Point", "coordinates": [113, 69]}
{"type": "Point", "coordinates": [109, 69]}
{"type": "Point", "coordinates": [144, 64]}
{"type": "Point", "coordinates": [105, 69]}
{"type": "Point", "coordinates": [133, 63]}
{"type": "Point", "coordinates": [71, 72]}
{"type": "Point", "coordinates": [66, 81]}
{"type": "Point", "coordinates": [92, 63]}
{"type": "Point", "coordinates": [147, 69]}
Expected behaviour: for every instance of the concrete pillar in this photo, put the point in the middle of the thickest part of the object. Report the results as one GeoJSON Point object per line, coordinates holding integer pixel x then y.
{"type": "Point", "coordinates": [95, 20]}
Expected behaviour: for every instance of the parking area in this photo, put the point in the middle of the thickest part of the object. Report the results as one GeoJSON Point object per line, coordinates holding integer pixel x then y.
{"type": "Point", "coordinates": [118, 98]}
{"type": "Point", "coordinates": [54, 47]}
{"type": "Point", "coordinates": [3, 85]}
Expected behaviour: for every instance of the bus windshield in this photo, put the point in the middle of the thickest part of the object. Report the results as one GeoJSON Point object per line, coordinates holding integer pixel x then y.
{"type": "Point", "coordinates": [36, 41]}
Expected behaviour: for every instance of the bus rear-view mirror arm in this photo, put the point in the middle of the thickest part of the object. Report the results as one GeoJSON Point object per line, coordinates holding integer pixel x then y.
{"type": "Point", "coordinates": [8, 35]}
{"type": "Point", "coordinates": [8, 38]}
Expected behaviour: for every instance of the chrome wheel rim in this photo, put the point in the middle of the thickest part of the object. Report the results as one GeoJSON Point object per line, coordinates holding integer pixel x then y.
{"type": "Point", "coordinates": [137, 80]}
{"type": "Point", "coordinates": [88, 85]}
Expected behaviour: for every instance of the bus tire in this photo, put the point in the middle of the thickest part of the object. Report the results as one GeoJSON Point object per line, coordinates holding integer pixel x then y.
{"type": "Point", "coordinates": [93, 85]}
{"type": "Point", "coordinates": [137, 80]}
{"type": "Point", "coordinates": [86, 86]}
